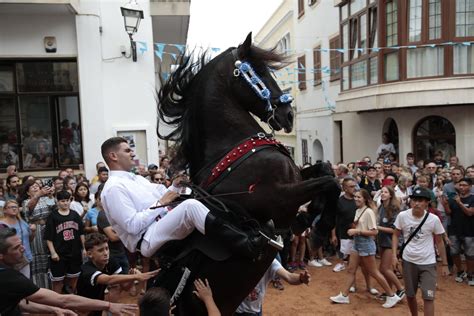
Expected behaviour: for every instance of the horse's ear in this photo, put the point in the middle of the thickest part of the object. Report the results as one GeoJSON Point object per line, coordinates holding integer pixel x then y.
{"type": "Point", "coordinates": [244, 48]}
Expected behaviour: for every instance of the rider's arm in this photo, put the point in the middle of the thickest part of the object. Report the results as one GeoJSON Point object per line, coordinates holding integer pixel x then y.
{"type": "Point", "coordinates": [32, 307]}
{"type": "Point", "coordinates": [121, 208]}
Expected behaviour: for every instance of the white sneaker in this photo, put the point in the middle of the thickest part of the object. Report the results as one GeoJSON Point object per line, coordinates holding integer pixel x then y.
{"type": "Point", "coordinates": [315, 263]}
{"type": "Point", "coordinates": [374, 291]}
{"type": "Point", "coordinates": [391, 301]}
{"type": "Point", "coordinates": [340, 299]}
{"type": "Point", "coordinates": [352, 289]}
{"type": "Point", "coordinates": [325, 262]}
{"type": "Point", "coordinates": [339, 267]}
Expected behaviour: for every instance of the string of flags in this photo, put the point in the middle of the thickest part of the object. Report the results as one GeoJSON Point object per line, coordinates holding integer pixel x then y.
{"type": "Point", "coordinates": [159, 48]}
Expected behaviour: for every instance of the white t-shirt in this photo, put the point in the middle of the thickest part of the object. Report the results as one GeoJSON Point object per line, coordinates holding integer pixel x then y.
{"type": "Point", "coordinates": [420, 250]}
{"type": "Point", "coordinates": [253, 302]}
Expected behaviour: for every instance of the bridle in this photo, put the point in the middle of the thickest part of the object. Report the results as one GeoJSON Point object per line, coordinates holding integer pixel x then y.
{"type": "Point", "coordinates": [245, 70]}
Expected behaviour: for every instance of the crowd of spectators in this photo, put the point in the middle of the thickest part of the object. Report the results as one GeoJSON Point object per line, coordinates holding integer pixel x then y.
{"type": "Point", "coordinates": [56, 218]}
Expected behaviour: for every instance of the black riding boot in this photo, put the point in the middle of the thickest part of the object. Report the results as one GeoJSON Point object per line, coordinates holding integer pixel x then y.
{"type": "Point", "coordinates": [238, 241]}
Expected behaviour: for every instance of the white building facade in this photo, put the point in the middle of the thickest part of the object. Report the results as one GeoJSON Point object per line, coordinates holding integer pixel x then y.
{"type": "Point", "coordinates": [317, 74]}
{"type": "Point", "coordinates": [278, 32]}
{"type": "Point", "coordinates": [67, 81]}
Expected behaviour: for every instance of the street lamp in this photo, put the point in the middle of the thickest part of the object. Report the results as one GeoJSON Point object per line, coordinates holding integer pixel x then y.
{"type": "Point", "coordinates": [132, 14]}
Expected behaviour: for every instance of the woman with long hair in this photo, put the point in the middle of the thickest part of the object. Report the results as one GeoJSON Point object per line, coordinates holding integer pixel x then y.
{"type": "Point", "coordinates": [388, 211]}
{"type": "Point", "coordinates": [11, 217]}
{"type": "Point", "coordinates": [36, 206]}
{"type": "Point", "coordinates": [82, 200]}
{"type": "Point", "coordinates": [364, 232]}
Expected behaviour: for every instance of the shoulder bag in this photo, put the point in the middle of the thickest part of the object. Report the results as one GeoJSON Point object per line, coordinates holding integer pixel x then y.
{"type": "Point", "coordinates": [400, 252]}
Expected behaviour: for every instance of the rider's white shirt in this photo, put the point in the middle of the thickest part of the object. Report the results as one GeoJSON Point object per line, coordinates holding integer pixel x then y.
{"type": "Point", "coordinates": [127, 199]}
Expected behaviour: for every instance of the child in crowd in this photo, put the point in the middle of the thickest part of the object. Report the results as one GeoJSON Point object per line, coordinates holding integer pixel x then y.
{"type": "Point", "coordinates": [100, 271]}
{"type": "Point", "coordinates": [156, 301]}
{"type": "Point", "coordinates": [64, 234]}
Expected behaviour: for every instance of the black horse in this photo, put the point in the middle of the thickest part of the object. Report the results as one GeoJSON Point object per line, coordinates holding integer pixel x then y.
{"type": "Point", "coordinates": [210, 103]}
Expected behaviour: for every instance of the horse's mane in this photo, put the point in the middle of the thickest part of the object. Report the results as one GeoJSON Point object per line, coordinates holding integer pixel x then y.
{"type": "Point", "coordinates": [179, 98]}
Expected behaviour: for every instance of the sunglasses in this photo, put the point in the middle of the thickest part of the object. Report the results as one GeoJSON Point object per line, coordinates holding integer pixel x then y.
{"type": "Point", "coordinates": [158, 179]}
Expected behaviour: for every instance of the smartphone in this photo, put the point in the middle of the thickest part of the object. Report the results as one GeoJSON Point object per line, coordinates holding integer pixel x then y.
{"type": "Point", "coordinates": [48, 183]}
{"type": "Point", "coordinates": [452, 195]}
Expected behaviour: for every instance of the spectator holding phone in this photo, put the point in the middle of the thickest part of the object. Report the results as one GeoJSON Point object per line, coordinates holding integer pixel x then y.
{"type": "Point", "coordinates": [36, 207]}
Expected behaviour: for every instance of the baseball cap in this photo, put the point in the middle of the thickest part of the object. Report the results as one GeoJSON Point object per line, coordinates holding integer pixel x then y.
{"type": "Point", "coordinates": [152, 167]}
{"type": "Point", "coordinates": [421, 193]}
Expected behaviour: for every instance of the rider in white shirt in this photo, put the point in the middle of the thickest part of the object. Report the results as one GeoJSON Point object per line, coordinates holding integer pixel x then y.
{"type": "Point", "coordinates": [128, 201]}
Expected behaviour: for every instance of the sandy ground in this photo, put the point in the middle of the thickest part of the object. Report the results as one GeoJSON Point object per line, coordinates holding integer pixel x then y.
{"type": "Point", "coordinates": [451, 298]}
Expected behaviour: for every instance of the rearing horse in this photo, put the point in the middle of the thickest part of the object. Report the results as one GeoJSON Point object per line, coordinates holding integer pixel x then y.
{"type": "Point", "coordinates": [210, 106]}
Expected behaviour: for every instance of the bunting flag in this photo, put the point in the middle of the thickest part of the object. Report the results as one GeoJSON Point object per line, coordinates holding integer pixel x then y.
{"type": "Point", "coordinates": [143, 47]}
{"type": "Point", "coordinates": [160, 47]}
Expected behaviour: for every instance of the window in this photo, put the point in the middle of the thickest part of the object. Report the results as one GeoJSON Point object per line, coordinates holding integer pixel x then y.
{"type": "Point", "coordinates": [414, 20]}
{"type": "Point", "coordinates": [302, 73]}
{"type": "Point", "coordinates": [359, 74]}
{"type": "Point", "coordinates": [300, 8]}
{"type": "Point", "coordinates": [391, 20]}
{"type": "Point", "coordinates": [434, 19]}
{"type": "Point", "coordinates": [317, 65]}
{"type": "Point", "coordinates": [344, 14]}
{"type": "Point", "coordinates": [391, 70]}
{"type": "Point", "coordinates": [373, 27]}
{"type": "Point", "coordinates": [464, 18]}
{"type": "Point", "coordinates": [363, 34]}
{"type": "Point", "coordinates": [357, 5]}
{"type": "Point", "coordinates": [463, 59]}
{"type": "Point", "coordinates": [40, 125]}
{"type": "Point", "coordinates": [373, 64]}
{"type": "Point", "coordinates": [283, 45]}
{"type": "Point", "coordinates": [334, 59]}
{"type": "Point", "coordinates": [434, 133]}
{"type": "Point", "coordinates": [304, 150]}
{"type": "Point", "coordinates": [345, 78]}
{"type": "Point", "coordinates": [345, 38]}
{"type": "Point", "coordinates": [425, 62]}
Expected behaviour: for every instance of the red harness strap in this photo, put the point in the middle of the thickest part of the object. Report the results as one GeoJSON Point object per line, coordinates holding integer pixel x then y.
{"type": "Point", "coordinates": [249, 145]}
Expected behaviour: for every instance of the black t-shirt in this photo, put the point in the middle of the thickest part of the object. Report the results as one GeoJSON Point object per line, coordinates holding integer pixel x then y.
{"type": "Point", "coordinates": [87, 285]}
{"type": "Point", "coordinates": [461, 224]}
{"type": "Point", "coordinates": [116, 247]}
{"type": "Point", "coordinates": [366, 184]}
{"type": "Point", "coordinates": [65, 232]}
{"type": "Point", "coordinates": [345, 216]}
{"type": "Point", "coordinates": [14, 287]}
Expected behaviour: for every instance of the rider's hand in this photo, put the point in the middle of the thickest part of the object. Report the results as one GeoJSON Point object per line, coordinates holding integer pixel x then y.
{"type": "Point", "coordinates": [168, 197]}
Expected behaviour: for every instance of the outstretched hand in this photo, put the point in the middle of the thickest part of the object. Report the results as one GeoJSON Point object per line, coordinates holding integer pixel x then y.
{"type": "Point", "coordinates": [203, 291]}
{"type": "Point", "coordinates": [305, 277]}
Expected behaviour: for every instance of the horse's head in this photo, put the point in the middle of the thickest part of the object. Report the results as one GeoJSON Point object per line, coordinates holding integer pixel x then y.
{"type": "Point", "coordinates": [255, 87]}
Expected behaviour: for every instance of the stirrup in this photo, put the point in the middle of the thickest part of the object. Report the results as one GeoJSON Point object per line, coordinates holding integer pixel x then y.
{"type": "Point", "coordinates": [278, 243]}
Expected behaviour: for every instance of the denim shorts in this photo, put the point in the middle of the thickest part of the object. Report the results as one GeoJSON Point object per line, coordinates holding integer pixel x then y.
{"type": "Point", "coordinates": [364, 246]}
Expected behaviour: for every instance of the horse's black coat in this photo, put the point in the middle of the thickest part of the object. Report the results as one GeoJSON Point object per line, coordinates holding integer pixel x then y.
{"type": "Point", "coordinates": [210, 110]}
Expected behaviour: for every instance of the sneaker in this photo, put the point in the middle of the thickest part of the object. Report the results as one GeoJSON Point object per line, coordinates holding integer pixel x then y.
{"type": "Point", "coordinates": [315, 263]}
{"type": "Point", "coordinates": [461, 276]}
{"type": "Point", "coordinates": [391, 301]}
{"type": "Point", "coordinates": [400, 294]}
{"type": "Point", "coordinates": [471, 281]}
{"type": "Point", "coordinates": [325, 262]}
{"type": "Point", "coordinates": [340, 299]}
{"type": "Point", "coordinates": [339, 267]}
{"type": "Point", "coordinates": [301, 265]}
{"type": "Point", "coordinates": [292, 266]}
{"type": "Point", "coordinates": [352, 289]}
{"type": "Point", "coordinates": [374, 291]}
{"type": "Point", "coordinates": [382, 297]}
